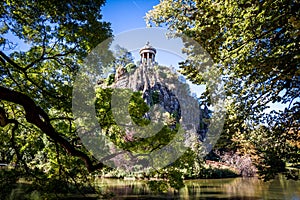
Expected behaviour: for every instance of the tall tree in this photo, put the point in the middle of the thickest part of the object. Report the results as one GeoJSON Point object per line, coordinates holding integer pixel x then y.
{"type": "Point", "coordinates": [36, 84]}
{"type": "Point", "coordinates": [256, 44]}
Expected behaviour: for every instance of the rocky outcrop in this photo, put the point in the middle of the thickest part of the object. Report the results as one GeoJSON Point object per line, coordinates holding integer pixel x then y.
{"type": "Point", "coordinates": [160, 86]}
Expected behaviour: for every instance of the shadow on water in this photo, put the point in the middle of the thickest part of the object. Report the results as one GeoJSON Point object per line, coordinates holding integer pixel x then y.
{"type": "Point", "coordinates": [208, 186]}
{"type": "Point", "coordinates": [204, 189]}
{"type": "Point", "coordinates": [211, 192]}
{"type": "Point", "coordinates": [236, 198]}
{"type": "Point", "coordinates": [220, 189]}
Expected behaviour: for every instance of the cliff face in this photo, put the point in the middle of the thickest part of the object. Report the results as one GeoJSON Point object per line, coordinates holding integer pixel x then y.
{"type": "Point", "coordinates": [160, 86]}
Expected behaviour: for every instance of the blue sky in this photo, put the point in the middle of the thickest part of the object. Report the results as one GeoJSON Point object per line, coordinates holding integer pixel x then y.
{"type": "Point", "coordinates": [125, 15]}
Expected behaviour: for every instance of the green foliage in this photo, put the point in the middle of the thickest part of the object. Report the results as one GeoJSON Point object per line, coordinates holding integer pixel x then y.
{"type": "Point", "coordinates": [130, 67]}
{"type": "Point", "coordinates": [57, 35]}
{"type": "Point", "coordinates": [155, 97]}
{"type": "Point", "coordinates": [255, 44]}
{"type": "Point", "coordinates": [175, 179]}
{"type": "Point", "coordinates": [35, 184]}
{"type": "Point", "coordinates": [216, 173]}
{"type": "Point", "coordinates": [8, 179]}
{"type": "Point", "coordinates": [158, 186]}
{"type": "Point", "coordinates": [137, 109]}
{"type": "Point", "coordinates": [272, 149]}
{"type": "Point", "coordinates": [110, 79]}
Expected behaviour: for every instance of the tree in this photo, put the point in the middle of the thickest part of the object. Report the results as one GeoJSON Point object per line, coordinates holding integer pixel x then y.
{"type": "Point", "coordinates": [256, 45]}
{"type": "Point", "coordinates": [123, 56]}
{"type": "Point", "coordinates": [37, 127]}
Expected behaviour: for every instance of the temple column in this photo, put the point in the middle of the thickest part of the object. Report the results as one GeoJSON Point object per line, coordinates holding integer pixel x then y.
{"type": "Point", "coordinates": [147, 54]}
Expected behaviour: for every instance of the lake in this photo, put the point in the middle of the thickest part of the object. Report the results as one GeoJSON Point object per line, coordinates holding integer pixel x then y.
{"type": "Point", "coordinates": [223, 189]}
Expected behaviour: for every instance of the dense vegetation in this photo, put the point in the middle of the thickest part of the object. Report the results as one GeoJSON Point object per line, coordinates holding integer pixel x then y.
{"type": "Point", "coordinates": [256, 44]}
{"type": "Point", "coordinates": [38, 136]}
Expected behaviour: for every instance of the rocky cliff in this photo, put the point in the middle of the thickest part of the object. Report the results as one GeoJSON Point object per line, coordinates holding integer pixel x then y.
{"type": "Point", "coordinates": [160, 86]}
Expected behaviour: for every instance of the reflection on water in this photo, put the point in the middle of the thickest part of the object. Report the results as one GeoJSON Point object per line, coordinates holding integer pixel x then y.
{"type": "Point", "coordinates": [223, 189]}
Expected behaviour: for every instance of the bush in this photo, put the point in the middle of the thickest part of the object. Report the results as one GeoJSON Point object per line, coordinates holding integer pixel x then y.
{"type": "Point", "coordinates": [242, 163]}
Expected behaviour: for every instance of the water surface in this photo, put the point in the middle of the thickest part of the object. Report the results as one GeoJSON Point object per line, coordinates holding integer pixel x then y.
{"type": "Point", "coordinates": [223, 189]}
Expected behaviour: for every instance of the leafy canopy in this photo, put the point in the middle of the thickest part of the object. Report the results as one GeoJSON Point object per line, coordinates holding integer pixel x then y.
{"type": "Point", "coordinates": [256, 44]}
{"type": "Point", "coordinates": [37, 127]}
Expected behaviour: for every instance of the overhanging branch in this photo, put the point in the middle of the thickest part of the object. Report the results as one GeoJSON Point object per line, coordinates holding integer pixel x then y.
{"type": "Point", "coordinates": [37, 116]}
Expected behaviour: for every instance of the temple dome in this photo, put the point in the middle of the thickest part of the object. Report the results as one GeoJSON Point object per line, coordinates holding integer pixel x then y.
{"type": "Point", "coordinates": [147, 47]}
